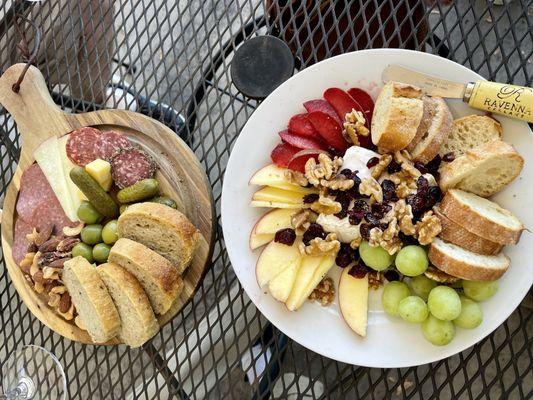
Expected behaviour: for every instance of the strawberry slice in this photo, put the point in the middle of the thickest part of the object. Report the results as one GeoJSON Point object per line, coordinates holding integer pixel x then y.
{"type": "Point", "coordinates": [342, 102]}
{"type": "Point", "coordinates": [322, 106]}
{"type": "Point", "coordinates": [300, 125]}
{"type": "Point", "coordinates": [282, 154]}
{"type": "Point", "coordinates": [329, 129]}
{"type": "Point", "coordinates": [297, 163]}
{"type": "Point", "coordinates": [302, 142]}
{"type": "Point", "coordinates": [366, 102]}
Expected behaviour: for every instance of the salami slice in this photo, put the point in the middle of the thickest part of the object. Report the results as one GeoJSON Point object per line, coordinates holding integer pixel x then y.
{"type": "Point", "coordinates": [51, 213]}
{"type": "Point", "coordinates": [81, 145]}
{"type": "Point", "coordinates": [34, 191]}
{"type": "Point", "coordinates": [130, 166]}
{"type": "Point", "coordinates": [111, 142]}
{"type": "Point", "coordinates": [20, 243]}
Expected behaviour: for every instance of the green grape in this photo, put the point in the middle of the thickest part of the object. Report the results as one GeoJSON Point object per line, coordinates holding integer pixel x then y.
{"type": "Point", "coordinates": [422, 285]}
{"type": "Point", "coordinates": [376, 258]}
{"type": "Point", "coordinates": [110, 232]}
{"type": "Point", "coordinates": [393, 293]}
{"type": "Point", "coordinates": [480, 290]}
{"type": "Point", "coordinates": [101, 252]}
{"type": "Point", "coordinates": [437, 331]}
{"type": "Point", "coordinates": [92, 234]}
{"type": "Point", "coordinates": [84, 250]}
{"type": "Point", "coordinates": [471, 314]}
{"type": "Point", "coordinates": [444, 303]}
{"type": "Point", "coordinates": [413, 309]}
{"type": "Point", "coordinates": [88, 214]}
{"type": "Point", "coordinates": [412, 260]}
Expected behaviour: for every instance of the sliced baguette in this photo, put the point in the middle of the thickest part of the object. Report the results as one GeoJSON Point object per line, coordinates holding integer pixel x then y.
{"type": "Point", "coordinates": [158, 277]}
{"type": "Point", "coordinates": [481, 217]}
{"type": "Point", "coordinates": [456, 234]}
{"type": "Point", "coordinates": [439, 127]}
{"type": "Point", "coordinates": [469, 132]}
{"type": "Point", "coordinates": [163, 229]}
{"type": "Point", "coordinates": [464, 264]}
{"type": "Point", "coordinates": [397, 114]}
{"type": "Point", "coordinates": [91, 299]}
{"type": "Point", "coordinates": [138, 322]}
{"type": "Point", "coordinates": [427, 115]}
{"type": "Point", "coordinates": [484, 170]}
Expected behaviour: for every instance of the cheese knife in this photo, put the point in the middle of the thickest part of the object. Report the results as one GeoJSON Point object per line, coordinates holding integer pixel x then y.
{"type": "Point", "coordinates": [500, 98]}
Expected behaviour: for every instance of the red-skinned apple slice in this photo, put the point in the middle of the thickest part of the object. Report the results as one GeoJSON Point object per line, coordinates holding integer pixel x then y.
{"type": "Point", "coordinates": [298, 161]}
{"type": "Point", "coordinates": [302, 142]}
{"type": "Point", "coordinates": [300, 125]}
{"type": "Point", "coordinates": [365, 101]}
{"type": "Point", "coordinates": [342, 102]}
{"type": "Point", "coordinates": [283, 153]}
{"type": "Point", "coordinates": [322, 106]}
{"type": "Point", "coordinates": [329, 129]}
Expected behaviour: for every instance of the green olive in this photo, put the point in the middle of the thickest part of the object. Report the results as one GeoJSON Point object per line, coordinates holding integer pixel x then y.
{"type": "Point", "coordinates": [167, 201]}
{"type": "Point", "coordinates": [92, 234]}
{"type": "Point", "coordinates": [101, 252]}
{"type": "Point", "coordinates": [123, 208]}
{"type": "Point", "coordinates": [110, 232]}
{"type": "Point", "coordinates": [84, 250]}
{"type": "Point", "coordinates": [88, 214]}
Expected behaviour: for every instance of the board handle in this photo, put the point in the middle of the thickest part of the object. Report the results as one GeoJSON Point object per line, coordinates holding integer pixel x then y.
{"type": "Point", "coordinates": [35, 113]}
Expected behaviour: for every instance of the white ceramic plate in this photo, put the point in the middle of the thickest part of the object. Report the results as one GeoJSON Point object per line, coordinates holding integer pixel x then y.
{"type": "Point", "coordinates": [390, 342]}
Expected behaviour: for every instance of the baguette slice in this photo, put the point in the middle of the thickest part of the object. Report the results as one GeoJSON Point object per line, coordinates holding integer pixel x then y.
{"type": "Point", "coordinates": [427, 115]}
{"type": "Point", "coordinates": [481, 217]}
{"type": "Point", "coordinates": [440, 126]}
{"type": "Point", "coordinates": [456, 234]}
{"type": "Point", "coordinates": [397, 114]}
{"type": "Point", "coordinates": [163, 229]}
{"type": "Point", "coordinates": [484, 170]}
{"type": "Point", "coordinates": [138, 322]}
{"type": "Point", "coordinates": [91, 299]}
{"type": "Point", "coordinates": [469, 132]}
{"type": "Point", "coordinates": [158, 277]}
{"type": "Point", "coordinates": [464, 264]}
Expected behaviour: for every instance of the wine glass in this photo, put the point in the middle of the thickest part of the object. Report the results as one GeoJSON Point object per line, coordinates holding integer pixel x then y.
{"type": "Point", "coordinates": [32, 372]}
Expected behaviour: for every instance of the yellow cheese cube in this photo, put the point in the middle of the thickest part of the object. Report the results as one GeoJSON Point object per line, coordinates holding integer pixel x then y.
{"type": "Point", "coordinates": [100, 170]}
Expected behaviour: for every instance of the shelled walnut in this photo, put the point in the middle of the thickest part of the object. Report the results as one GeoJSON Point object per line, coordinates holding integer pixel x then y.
{"type": "Point", "coordinates": [324, 292]}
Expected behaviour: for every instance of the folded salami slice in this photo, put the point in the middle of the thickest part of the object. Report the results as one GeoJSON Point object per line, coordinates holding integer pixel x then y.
{"type": "Point", "coordinates": [20, 243]}
{"type": "Point", "coordinates": [34, 191]}
{"type": "Point", "coordinates": [82, 145]}
{"type": "Point", "coordinates": [130, 166]}
{"type": "Point", "coordinates": [110, 142]}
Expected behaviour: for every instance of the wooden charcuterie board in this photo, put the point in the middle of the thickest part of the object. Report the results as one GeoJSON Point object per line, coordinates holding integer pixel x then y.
{"type": "Point", "coordinates": [180, 175]}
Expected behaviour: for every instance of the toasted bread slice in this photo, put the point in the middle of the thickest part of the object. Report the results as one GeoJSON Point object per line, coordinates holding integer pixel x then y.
{"type": "Point", "coordinates": [427, 115]}
{"type": "Point", "coordinates": [456, 234]}
{"type": "Point", "coordinates": [481, 217]}
{"type": "Point", "coordinates": [163, 229]}
{"type": "Point", "coordinates": [158, 277]}
{"type": "Point", "coordinates": [484, 170]}
{"type": "Point", "coordinates": [397, 114]}
{"type": "Point", "coordinates": [91, 299]}
{"type": "Point", "coordinates": [138, 322]}
{"type": "Point", "coordinates": [464, 264]}
{"type": "Point", "coordinates": [469, 132]}
{"type": "Point", "coordinates": [439, 127]}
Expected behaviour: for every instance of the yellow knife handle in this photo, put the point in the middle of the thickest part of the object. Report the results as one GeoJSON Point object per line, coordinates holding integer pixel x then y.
{"type": "Point", "coordinates": [510, 100]}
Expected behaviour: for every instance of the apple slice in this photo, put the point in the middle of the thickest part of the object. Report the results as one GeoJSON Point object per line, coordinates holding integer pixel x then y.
{"type": "Point", "coordinates": [273, 204]}
{"type": "Point", "coordinates": [365, 101]}
{"type": "Point", "coordinates": [322, 106]}
{"type": "Point", "coordinates": [353, 301]}
{"type": "Point", "coordinates": [302, 142]}
{"type": "Point", "coordinates": [282, 154]}
{"type": "Point", "coordinates": [297, 162]}
{"type": "Point", "coordinates": [274, 259]}
{"type": "Point", "coordinates": [311, 272]}
{"type": "Point", "coordinates": [259, 239]}
{"type": "Point", "coordinates": [273, 221]}
{"type": "Point", "coordinates": [273, 175]}
{"type": "Point", "coordinates": [278, 196]}
{"type": "Point", "coordinates": [329, 129]}
{"type": "Point", "coordinates": [342, 102]}
{"type": "Point", "coordinates": [300, 125]}
{"type": "Point", "coordinates": [280, 287]}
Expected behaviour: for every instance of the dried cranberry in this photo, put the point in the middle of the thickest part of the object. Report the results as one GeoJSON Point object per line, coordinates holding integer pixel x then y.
{"type": "Point", "coordinates": [355, 217]}
{"type": "Point", "coordinates": [417, 203]}
{"type": "Point", "coordinates": [372, 162]}
{"type": "Point", "coordinates": [380, 209]}
{"type": "Point", "coordinates": [346, 172]}
{"type": "Point", "coordinates": [315, 230]}
{"type": "Point", "coordinates": [364, 229]}
{"type": "Point", "coordinates": [389, 191]}
{"type": "Point", "coordinates": [422, 182]}
{"type": "Point", "coordinates": [344, 256]}
{"type": "Point", "coordinates": [435, 194]}
{"type": "Point", "coordinates": [360, 205]}
{"type": "Point", "coordinates": [406, 239]}
{"type": "Point", "coordinates": [394, 167]}
{"type": "Point", "coordinates": [421, 167]}
{"type": "Point", "coordinates": [341, 214]}
{"type": "Point", "coordinates": [343, 199]}
{"type": "Point", "coordinates": [433, 165]}
{"type": "Point", "coordinates": [285, 236]}
{"type": "Point", "coordinates": [372, 219]}
{"type": "Point", "coordinates": [359, 270]}
{"type": "Point", "coordinates": [448, 157]}
{"type": "Point", "coordinates": [311, 198]}
{"type": "Point", "coordinates": [391, 275]}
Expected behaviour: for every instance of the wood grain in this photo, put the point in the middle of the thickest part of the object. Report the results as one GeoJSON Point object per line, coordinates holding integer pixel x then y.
{"type": "Point", "coordinates": [180, 174]}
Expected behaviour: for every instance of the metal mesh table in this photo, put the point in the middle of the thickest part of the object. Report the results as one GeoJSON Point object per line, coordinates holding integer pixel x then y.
{"type": "Point", "coordinates": [178, 53]}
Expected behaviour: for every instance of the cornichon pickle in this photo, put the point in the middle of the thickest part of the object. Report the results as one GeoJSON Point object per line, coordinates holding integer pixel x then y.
{"type": "Point", "coordinates": [123, 208]}
{"type": "Point", "coordinates": [98, 197]}
{"type": "Point", "coordinates": [167, 201]}
{"type": "Point", "coordinates": [139, 191]}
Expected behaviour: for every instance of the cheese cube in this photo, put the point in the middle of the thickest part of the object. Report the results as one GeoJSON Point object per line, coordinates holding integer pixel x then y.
{"type": "Point", "coordinates": [100, 170]}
